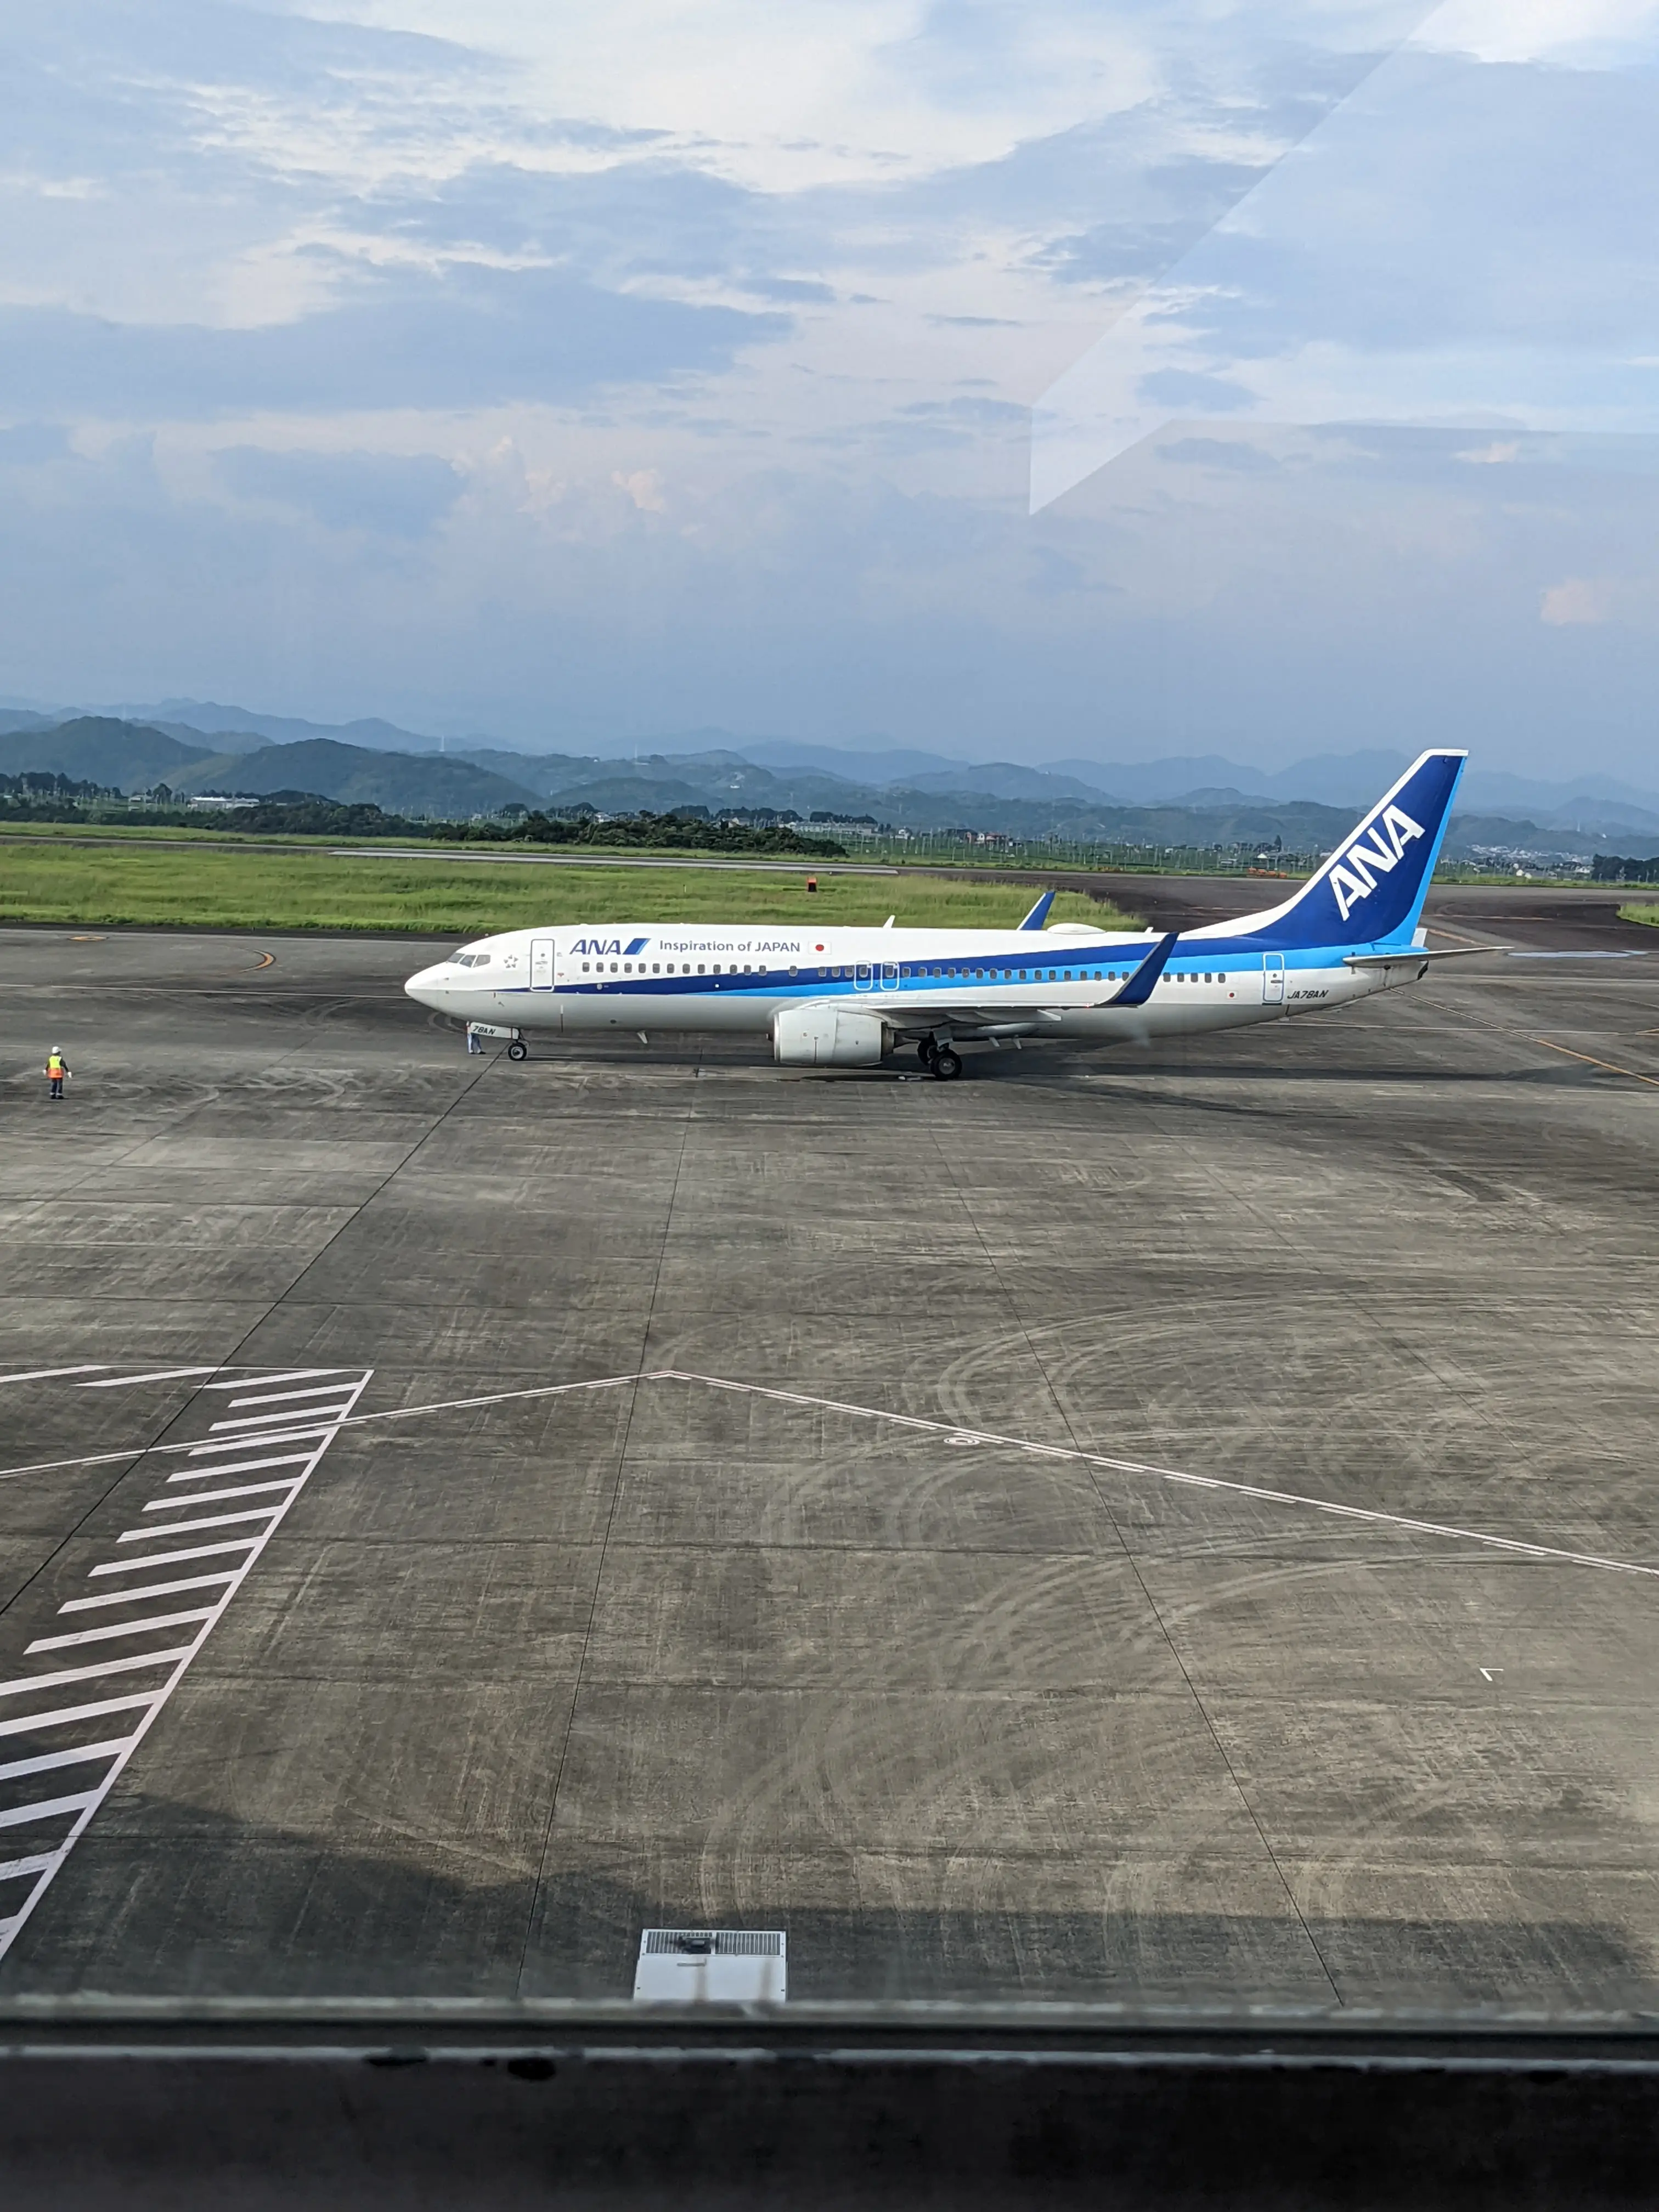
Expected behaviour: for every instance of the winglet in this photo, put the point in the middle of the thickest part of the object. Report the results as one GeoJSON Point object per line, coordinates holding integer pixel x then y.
{"type": "Point", "coordinates": [1039, 913]}
{"type": "Point", "coordinates": [1138, 989]}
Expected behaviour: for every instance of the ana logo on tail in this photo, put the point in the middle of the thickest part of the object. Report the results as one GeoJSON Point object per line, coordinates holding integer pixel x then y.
{"type": "Point", "coordinates": [1351, 879]}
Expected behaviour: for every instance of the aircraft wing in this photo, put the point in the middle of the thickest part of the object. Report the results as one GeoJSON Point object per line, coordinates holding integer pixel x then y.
{"type": "Point", "coordinates": [989, 1016]}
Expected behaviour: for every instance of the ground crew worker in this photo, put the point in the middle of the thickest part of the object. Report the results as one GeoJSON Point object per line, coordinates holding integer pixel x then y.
{"type": "Point", "coordinates": [57, 1069]}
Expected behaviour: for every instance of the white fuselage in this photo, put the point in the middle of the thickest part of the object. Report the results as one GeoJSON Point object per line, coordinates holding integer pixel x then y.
{"type": "Point", "coordinates": [1057, 982]}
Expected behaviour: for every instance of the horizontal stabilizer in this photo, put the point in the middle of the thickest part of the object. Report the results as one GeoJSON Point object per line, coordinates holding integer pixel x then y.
{"type": "Point", "coordinates": [1039, 913]}
{"type": "Point", "coordinates": [1411, 955]}
{"type": "Point", "coordinates": [1140, 985]}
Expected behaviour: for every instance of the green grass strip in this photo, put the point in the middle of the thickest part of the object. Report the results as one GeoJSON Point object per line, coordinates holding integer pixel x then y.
{"type": "Point", "coordinates": [301, 888]}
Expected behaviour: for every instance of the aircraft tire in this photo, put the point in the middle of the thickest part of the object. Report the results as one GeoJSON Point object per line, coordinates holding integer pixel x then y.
{"type": "Point", "coordinates": [926, 1052]}
{"type": "Point", "coordinates": [946, 1064]}
{"type": "Point", "coordinates": [518, 1050]}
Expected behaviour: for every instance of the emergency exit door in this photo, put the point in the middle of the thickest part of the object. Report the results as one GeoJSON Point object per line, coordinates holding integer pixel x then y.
{"type": "Point", "coordinates": [541, 963]}
{"type": "Point", "coordinates": [1273, 979]}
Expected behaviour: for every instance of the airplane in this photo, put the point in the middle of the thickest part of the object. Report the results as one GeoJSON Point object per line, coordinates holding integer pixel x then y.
{"type": "Point", "coordinates": [849, 998]}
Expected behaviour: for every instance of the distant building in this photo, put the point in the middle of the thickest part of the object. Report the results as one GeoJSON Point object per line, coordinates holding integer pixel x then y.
{"type": "Point", "coordinates": [218, 802]}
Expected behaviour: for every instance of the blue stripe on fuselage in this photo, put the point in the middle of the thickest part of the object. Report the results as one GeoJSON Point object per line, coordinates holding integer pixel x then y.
{"type": "Point", "coordinates": [1242, 955]}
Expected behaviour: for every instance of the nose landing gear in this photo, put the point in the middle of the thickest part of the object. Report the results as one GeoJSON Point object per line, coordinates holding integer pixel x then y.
{"type": "Point", "coordinates": [518, 1050]}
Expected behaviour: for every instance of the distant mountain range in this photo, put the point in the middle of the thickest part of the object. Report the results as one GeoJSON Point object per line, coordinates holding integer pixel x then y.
{"type": "Point", "coordinates": [190, 745]}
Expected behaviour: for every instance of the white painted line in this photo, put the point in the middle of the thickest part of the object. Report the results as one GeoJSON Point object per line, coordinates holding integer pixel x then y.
{"type": "Point", "coordinates": [276, 1420]}
{"type": "Point", "coordinates": [507, 1397]}
{"type": "Point", "coordinates": [290, 1375]}
{"type": "Point", "coordinates": [13, 1868]}
{"type": "Point", "coordinates": [254, 1443]}
{"type": "Point", "coordinates": [48, 1760]}
{"type": "Point", "coordinates": [22, 1683]}
{"type": "Point", "coordinates": [45, 1808]}
{"type": "Point", "coordinates": [949, 1430]}
{"type": "Point", "coordinates": [63, 1714]}
{"type": "Point", "coordinates": [177, 1660]}
{"type": "Point", "coordinates": [242, 1466]}
{"type": "Point", "coordinates": [209, 1521]}
{"type": "Point", "coordinates": [93, 1459]}
{"type": "Point", "coordinates": [115, 1628]}
{"type": "Point", "coordinates": [46, 1374]}
{"type": "Point", "coordinates": [350, 1421]}
{"type": "Point", "coordinates": [162, 1374]}
{"type": "Point", "coordinates": [211, 1497]}
{"type": "Point", "coordinates": [1368, 1513]}
{"type": "Point", "coordinates": [149, 1589]}
{"type": "Point", "coordinates": [149, 1559]}
{"type": "Point", "coordinates": [266, 1398]}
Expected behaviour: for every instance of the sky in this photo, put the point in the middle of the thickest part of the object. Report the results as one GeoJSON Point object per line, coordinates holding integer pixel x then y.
{"type": "Point", "coordinates": [1025, 380]}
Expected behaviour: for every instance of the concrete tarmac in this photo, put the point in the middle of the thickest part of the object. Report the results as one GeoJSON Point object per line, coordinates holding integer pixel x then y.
{"type": "Point", "coordinates": [826, 1558]}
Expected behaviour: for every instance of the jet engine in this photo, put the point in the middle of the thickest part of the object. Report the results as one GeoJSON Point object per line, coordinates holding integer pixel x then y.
{"type": "Point", "coordinates": [829, 1036]}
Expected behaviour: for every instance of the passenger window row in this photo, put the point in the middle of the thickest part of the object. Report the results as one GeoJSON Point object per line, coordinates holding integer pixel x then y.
{"type": "Point", "coordinates": [946, 973]}
{"type": "Point", "coordinates": [703, 968]}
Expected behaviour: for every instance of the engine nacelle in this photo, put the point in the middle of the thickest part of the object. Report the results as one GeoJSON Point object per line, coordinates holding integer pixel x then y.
{"type": "Point", "coordinates": [829, 1036]}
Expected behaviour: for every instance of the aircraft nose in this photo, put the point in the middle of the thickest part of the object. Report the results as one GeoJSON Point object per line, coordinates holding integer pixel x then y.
{"type": "Point", "coordinates": [423, 987]}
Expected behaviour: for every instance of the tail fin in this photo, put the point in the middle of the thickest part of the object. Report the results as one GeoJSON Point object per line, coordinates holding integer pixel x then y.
{"type": "Point", "coordinates": [1039, 913]}
{"type": "Point", "coordinates": [1371, 890]}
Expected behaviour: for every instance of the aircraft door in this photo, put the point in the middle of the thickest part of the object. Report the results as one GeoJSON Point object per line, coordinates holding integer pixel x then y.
{"type": "Point", "coordinates": [1273, 979]}
{"type": "Point", "coordinates": [862, 976]}
{"type": "Point", "coordinates": [890, 974]}
{"type": "Point", "coordinates": [541, 963]}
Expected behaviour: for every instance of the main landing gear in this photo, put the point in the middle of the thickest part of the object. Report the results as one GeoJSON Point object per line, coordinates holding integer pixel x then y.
{"type": "Point", "coordinates": [939, 1060]}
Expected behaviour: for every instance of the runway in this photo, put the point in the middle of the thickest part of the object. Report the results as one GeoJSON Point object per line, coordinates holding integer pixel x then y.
{"type": "Point", "coordinates": [1174, 1527]}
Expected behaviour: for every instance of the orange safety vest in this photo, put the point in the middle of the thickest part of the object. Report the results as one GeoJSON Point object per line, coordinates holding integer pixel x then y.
{"type": "Point", "coordinates": [55, 1067]}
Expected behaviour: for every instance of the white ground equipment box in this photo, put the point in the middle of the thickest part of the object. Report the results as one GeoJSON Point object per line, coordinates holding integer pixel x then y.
{"type": "Point", "coordinates": [711, 1966]}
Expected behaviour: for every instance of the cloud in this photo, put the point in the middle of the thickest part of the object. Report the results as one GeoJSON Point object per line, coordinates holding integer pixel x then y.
{"type": "Point", "coordinates": [1459, 243]}
{"type": "Point", "coordinates": [1579, 600]}
{"type": "Point", "coordinates": [1237, 454]}
{"type": "Point", "coordinates": [390, 495]}
{"type": "Point", "coordinates": [1195, 392]}
{"type": "Point", "coordinates": [472, 337]}
{"type": "Point", "coordinates": [692, 353]}
{"type": "Point", "coordinates": [644, 488]}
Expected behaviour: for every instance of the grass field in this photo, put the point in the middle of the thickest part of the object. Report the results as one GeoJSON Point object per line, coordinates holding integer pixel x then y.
{"type": "Point", "coordinates": [301, 888]}
{"type": "Point", "coordinates": [1648, 913]}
